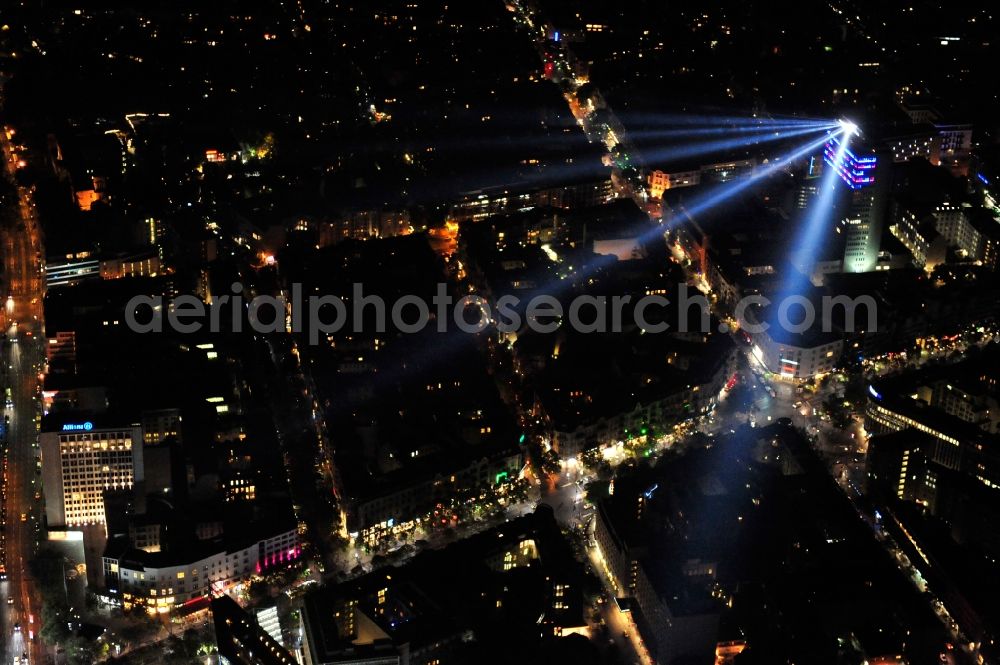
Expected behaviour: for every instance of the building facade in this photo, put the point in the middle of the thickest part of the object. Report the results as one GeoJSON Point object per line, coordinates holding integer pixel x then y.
{"type": "Point", "coordinates": [664, 410]}
{"type": "Point", "coordinates": [952, 223]}
{"type": "Point", "coordinates": [660, 180]}
{"type": "Point", "coordinates": [80, 463]}
{"type": "Point", "coordinates": [160, 580]}
{"type": "Point", "coordinates": [397, 507]}
{"type": "Point", "coordinates": [796, 359]}
{"type": "Point", "coordinates": [865, 213]}
{"type": "Point", "coordinates": [629, 568]}
{"type": "Point", "coordinates": [160, 425]}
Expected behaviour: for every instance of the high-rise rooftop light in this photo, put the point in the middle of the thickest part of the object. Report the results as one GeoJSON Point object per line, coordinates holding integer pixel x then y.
{"type": "Point", "coordinates": [850, 128]}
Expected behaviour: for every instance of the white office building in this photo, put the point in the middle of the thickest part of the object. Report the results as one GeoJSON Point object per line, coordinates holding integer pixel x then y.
{"type": "Point", "coordinates": [80, 462]}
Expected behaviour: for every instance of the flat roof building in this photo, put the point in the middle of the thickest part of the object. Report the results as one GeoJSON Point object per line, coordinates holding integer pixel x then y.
{"type": "Point", "coordinates": [80, 462]}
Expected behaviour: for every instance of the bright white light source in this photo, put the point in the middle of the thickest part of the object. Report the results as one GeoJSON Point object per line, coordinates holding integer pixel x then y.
{"type": "Point", "coordinates": [849, 127]}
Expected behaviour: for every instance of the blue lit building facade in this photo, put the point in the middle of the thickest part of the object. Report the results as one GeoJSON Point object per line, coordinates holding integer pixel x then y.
{"type": "Point", "coordinates": [864, 218]}
{"type": "Point", "coordinates": [856, 172]}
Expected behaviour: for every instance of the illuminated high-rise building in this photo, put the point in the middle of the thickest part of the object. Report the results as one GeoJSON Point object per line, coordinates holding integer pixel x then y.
{"type": "Point", "coordinates": [856, 172]}
{"type": "Point", "coordinates": [80, 462]}
{"type": "Point", "coordinates": [863, 233]}
{"type": "Point", "coordinates": [865, 211]}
